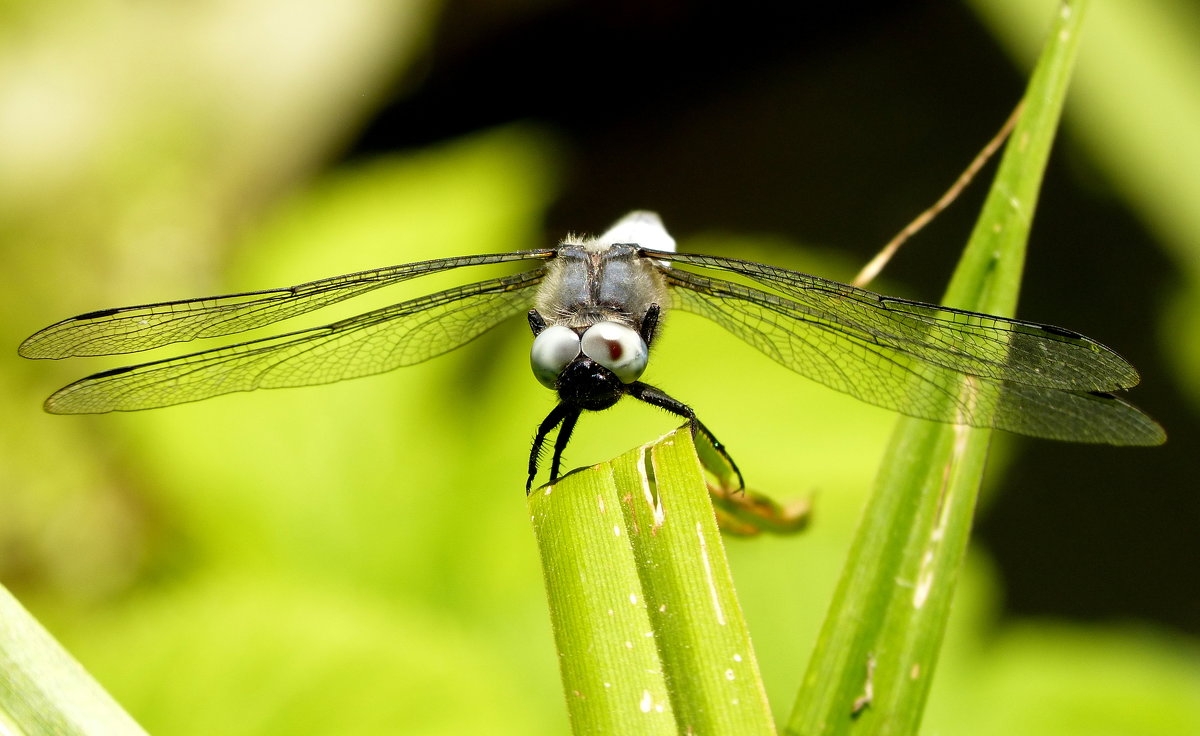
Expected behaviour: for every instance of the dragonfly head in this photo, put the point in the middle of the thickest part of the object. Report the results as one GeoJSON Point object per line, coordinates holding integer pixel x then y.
{"type": "Point", "coordinates": [589, 370]}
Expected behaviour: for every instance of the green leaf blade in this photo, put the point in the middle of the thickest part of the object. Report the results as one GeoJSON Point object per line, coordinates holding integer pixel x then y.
{"type": "Point", "coordinates": [878, 648]}
{"type": "Point", "coordinates": [44, 690]}
{"type": "Point", "coordinates": [702, 635]}
{"type": "Point", "coordinates": [611, 670]}
{"type": "Point", "coordinates": [639, 535]}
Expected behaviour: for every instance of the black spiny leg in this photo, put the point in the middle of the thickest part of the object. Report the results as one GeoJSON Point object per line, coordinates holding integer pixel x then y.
{"type": "Point", "coordinates": [552, 420]}
{"type": "Point", "coordinates": [537, 322]}
{"type": "Point", "coordinates": [650, 324]}
{"type": "Point", "coordinates": [658, 397]}
{"type": "Point", "coordinates": [560, 442]}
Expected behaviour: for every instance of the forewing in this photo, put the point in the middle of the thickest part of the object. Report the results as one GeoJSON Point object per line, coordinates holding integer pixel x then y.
{"type": "Point", "coordinates": [378, 341]}
{"type": "Point", "coordinates": [964, 342]}
{"type": "Point", "coordinates": [920, 359]}
{"type": "Point", "coordinates": [131, 329]}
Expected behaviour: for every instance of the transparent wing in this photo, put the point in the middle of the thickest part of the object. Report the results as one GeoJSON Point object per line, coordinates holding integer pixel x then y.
{"type": "Point", "coordinates": [374, 342]}
{"type": "Point", "coordinates": [920, 359]}
{"type": "Point", "coordinates": [146, 326]}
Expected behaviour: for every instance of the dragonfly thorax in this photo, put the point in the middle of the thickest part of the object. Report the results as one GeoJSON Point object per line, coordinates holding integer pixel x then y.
{"type": "Point", "coordinates": [593, 282]}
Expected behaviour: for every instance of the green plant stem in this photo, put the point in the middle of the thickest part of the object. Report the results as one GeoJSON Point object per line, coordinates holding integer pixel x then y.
{"type": "Point", "coordinates": [874, 660]}
{"type": "Point", "coordinates": [43, 690]}
{"type": "Point", "coordinates": [650, 634]}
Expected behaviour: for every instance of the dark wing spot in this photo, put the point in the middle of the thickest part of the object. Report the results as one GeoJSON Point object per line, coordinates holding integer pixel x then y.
{"type": "Point", "coordinates": [113, 372]}
{"type": "Point", "coordinates": [98, 314]}
{"type": "Point", "coordinates": [1061, 332]}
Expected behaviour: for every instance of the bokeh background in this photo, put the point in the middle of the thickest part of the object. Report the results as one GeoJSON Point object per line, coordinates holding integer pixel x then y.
{"type": "Point", "coordinates": [357, 558]}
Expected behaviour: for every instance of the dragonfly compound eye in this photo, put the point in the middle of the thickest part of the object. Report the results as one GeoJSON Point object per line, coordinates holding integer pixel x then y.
{"type": "Point", "coordinates": [617, 348]}
{"type": "Point", "coordinates": [553, 349]}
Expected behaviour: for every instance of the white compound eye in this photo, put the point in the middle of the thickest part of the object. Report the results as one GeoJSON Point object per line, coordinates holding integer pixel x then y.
{"type": "Point", "coordinates": [553, 349]}
{"type": "Point", "coordinates": [617, 348]}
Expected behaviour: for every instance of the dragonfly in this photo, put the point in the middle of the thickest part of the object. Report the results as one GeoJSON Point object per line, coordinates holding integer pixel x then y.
{"type": "Point", "coordinates": [595, 306]}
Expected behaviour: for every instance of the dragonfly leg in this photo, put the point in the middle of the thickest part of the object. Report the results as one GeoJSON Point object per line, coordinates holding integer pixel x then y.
{"type": "Point", "coordinates": [649, 327]}
{"type": "Point", "coordinates": [698, 427]}
{"type": "Point", "coordinates": [537, 322]}
{"type": "Point", "coordinates": [658, 397]}
{"type": "Point", "coordinates": [556, 416]}
{"type": "Point", "coordinates": [560, 442]}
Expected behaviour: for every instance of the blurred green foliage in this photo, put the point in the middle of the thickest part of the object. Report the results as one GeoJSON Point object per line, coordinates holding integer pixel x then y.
{"type": "Point", "coordinates": [356, 558]}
